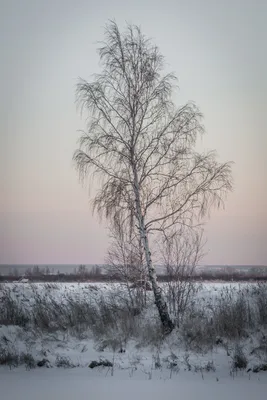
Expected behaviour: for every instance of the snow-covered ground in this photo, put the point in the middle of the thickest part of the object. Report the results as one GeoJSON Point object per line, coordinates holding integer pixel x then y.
{"type": "Point", "coordinates": [139, 371]}
{"type": "Point", "coordinates": [82, 384]}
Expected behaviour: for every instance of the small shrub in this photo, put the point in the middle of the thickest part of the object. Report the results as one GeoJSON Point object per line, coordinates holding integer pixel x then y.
{"type": "Point", "coordinates": [100, 363]}
{"type": "Point", "coordinates": [28, 360]}
{"type": "Point", "coordinates": [43, 363]}
{"type": "Point", "coordinates": [172, 362]}
{"type": "Point", "coordinates": [239, 359]}
{"type": "Point", "coordinates": [209, 367]}
{"type": "Point", "coordinates": [157, 361]}
{"type": "Point", "coordinates": [187, 362]}
{"type": "Point", "coordinates": [9, 358]}
{"type": "Point", "coordinates": [64, 362]}
{"type": "Point", "coordinates": [258, 368]}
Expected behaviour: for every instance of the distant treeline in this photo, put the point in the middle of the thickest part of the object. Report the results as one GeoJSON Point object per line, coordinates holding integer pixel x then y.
{"type": "Point", "coordinates": [96, 274]}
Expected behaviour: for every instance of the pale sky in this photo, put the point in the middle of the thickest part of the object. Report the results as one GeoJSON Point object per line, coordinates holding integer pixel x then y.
{"type": "Point", "coordinates": [218, 51]}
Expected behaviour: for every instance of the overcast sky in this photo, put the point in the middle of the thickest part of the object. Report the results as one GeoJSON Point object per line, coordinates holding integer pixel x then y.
{"type": "Point", "coordinates": [219, 53]}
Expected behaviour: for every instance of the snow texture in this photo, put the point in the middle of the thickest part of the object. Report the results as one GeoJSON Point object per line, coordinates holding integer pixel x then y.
{"type": "Point", "coordinates": [80, 384]}
{"type": "Point", "coordinates": [134, 376]}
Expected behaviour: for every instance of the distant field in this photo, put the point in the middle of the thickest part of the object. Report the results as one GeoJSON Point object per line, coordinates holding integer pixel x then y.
{"type": "Point", "coordinates": [98, 273]}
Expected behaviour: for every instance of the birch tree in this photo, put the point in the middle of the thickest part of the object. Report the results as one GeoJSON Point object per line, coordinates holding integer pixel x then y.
{"type": "Point", "coordinates": [140, 147]}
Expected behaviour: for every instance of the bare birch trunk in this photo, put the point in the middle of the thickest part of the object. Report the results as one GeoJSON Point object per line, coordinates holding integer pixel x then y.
{"type": "Point", "coordinates": [160, 303]}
